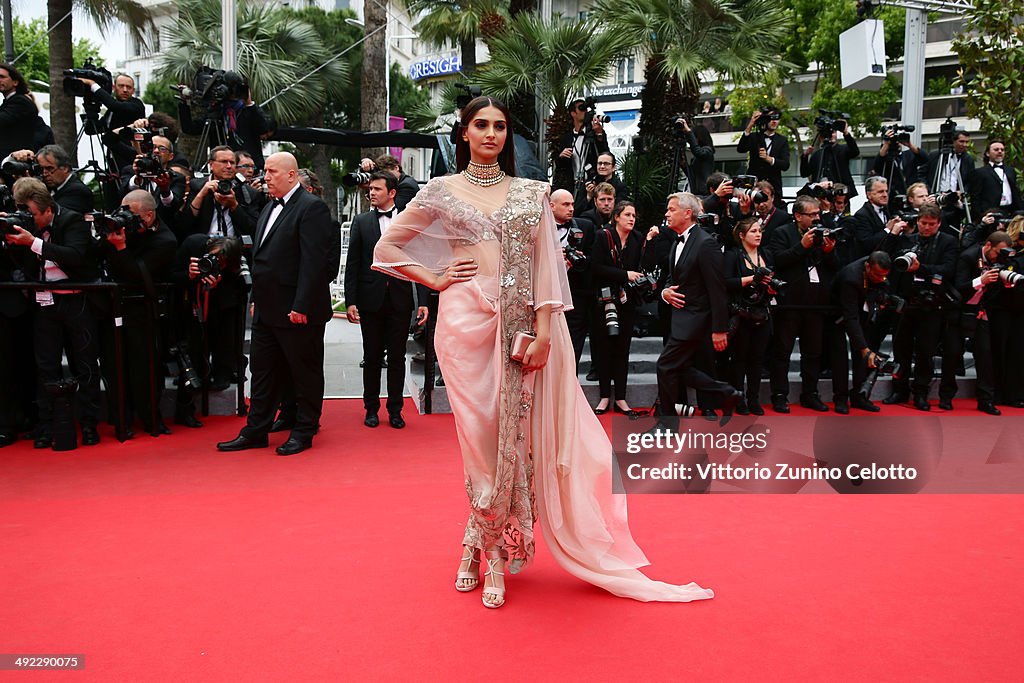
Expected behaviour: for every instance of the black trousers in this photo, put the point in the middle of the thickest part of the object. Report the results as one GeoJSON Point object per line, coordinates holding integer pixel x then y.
{"type": "Point", "coordinates": [915, 342]}
{"type": "Point", "coordinates": [138, 339]}
{"type": "Point", "coordinates": [952, 337]}
{"type": "Point", "coordinates": [987, 338]}
{"type": "Point", "coordinates": [749, 347]}
{"type": "Point", "coordinates": [18, 407]}
{"type": "Point", "coordinates": [68, 318]}
{"type": "Point", "coordinates": [386, 329]}
{"type": "Point", "coordinates": [809, 327]}
{"type": "Point", "coordinates": [611, 353]}
{"type": "Point", "coordinates": [676, 369]}
{"type": "Point", "coordinates": [578, 320]}
{"type": "Point", "coordinates": [276, 353]}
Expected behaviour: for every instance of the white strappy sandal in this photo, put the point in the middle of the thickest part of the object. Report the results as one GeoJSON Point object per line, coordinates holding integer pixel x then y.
{"type": "Point", "coordinates": [472, 574]}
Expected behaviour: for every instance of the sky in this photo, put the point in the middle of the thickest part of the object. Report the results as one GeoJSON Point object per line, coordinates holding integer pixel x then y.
{"type": "Point", "coordinates": [111, 46]}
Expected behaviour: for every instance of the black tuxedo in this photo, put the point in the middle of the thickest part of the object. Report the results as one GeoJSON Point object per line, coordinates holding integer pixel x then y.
{"type": "Point", "coordinates": [564, 176]}
{"type": "Point", "coordinates": [986, 188]}
{"type": "Point", "coordinates": [901, 171]}
{"type": "Point", "coordinates": [243, 217]}
{"type": "Point", "coordinates": [581, 287]}
{"type": "Point", "coordinates": [779, 151]}
{"type": "Point", "coordinates": [74, 195]}
{"type": "Point", "coordinates": [836, 165]}
{"type": "Point", "coordinates": [699, 277]}
{"type": "Point", "coordinates": [868, 229]}
{"type": "Point", "coordinates": [385, 306]}
{"type": "Point", "coordinates": [18, 115]}
{"type": "Point", "coordinates": [407, 189]}
{"type": "Point", "coordinates": [290, 272]}
{"type": "Point", "coordinates": [120, 113]}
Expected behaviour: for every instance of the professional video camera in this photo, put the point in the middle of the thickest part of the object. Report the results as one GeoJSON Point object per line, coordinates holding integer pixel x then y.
{"type": "Point", "coordinates": [212, 89]}
{"type": "Point", "coordinates": [767, 114]}
{"type": "Point", "coordinates": [884, 365]}
{"type": "Point", "coordinates": [469, 93]}
{"type": "Point", "coordinates": [355, 178]}
{"type": "Point", "coordinates": [18, 219]}
{"type": "Point", "coordinates": [105, 224]}
{"type": "Point", "coordinates": [947, 131]}
{"type": "Point", "coordinates": [645, 287]}
{"type": "Point", "coordinates": [573, 254]}
{"type": "Point", "coordinates": [76, 88]}
{"type": "Point", "coordinates": [12, 170]}
{"type": "Point", "coordinates": [897, 132]}
{"type": "Point", "coordinates": [829, 122]}
{"type": "Point", "coordinates": [608, 300]}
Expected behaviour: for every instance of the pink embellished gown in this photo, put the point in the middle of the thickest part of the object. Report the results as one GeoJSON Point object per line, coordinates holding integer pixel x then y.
{"type": "Point", "coordinates": [532, 448]}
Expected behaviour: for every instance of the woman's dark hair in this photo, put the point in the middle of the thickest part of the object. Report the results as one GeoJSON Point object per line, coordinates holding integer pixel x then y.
{"type": "Point", "coordinates": [507, 156]}
{"type": "Point", "coordinates": [620, 207]}
{"type": "Point", "coordinates": [229, 249]}
{"type": "Point", "coordinates": [742, 228]}
{"type": "Point", "coordinates": [22, 87]}
{"type": "Point", "coordinates": [703, 135]}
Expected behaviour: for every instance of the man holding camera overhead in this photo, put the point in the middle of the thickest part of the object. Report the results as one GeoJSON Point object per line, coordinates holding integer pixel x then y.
{"type": "Point", "coordinates": [831, 160]}
{"type": "Point", "coordinates": [580, 146]}
{"type": "Point", "coordinates": [123, 108]}
{"type": "Point", "coordinates": [901, 167]}
{"type": "Point", "coordinates": [767, 150]}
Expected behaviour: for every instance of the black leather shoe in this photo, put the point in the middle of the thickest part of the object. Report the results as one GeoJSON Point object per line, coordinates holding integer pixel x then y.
{"type": "Point", "coordinates": [242, 443]}
{"type": "Point", "coordinates": [7, 439]}
{"type": "Point", "coordinates": [293, 446]}
{"type": "Point", "coordinates": [188, 421]}
{"type": "Point", "coordinates": [741, 408]}
{"type": "Point", "coordinates": [779, 404]}
{"type": "Point", "coordinates": [592, 376]}
{"type": "Point", "coordinates": [44, 441]}
{"type": "Point", "coordinates": [371, 420]}
{"type": "Point", "coordinates": [90, 437]}
{"type": "Point", "coordinates": [842, 407]}
{"type": "Point", "coordinates": [396, 421]}
{"type": "Point", "coordinates": [708, 414]}
{"type": "Point", "coordinates": [734, 399]}
{"type": "Point", "coordinates": [813, 402]}
{"type": "Point", "coordinates": [989, 408]}
{"type": "Point", "coordinates": [282, 425]}
{"type": "Point", "coordinates": [160, 429]}
{"type": "Point", "coordinates": [754, 407]}
{"type": "Point", "coordinates": [219, 384]}
{"type": "Point", "coordinates": [921, 403]}
{"type": "Point", "coordinates": [945, 404]}
{"type": "Point", "coordinates": [895, 398]}
{"type": "Point", "coordinates": [861, 403]}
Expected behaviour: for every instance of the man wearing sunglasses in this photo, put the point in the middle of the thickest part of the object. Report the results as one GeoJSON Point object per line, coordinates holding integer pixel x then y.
{"type": "Point", "coordinates": [67, 188]}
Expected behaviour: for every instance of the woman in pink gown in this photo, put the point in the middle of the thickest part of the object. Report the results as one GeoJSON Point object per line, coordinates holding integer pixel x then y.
{"type": "Point", "coordinates": [532, 449]}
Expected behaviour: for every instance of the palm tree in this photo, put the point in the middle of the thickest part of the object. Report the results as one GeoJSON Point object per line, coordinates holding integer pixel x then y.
{"type": "Point", "coordinates": [103, 13]}
{"type": "Point", "coordinates": [279, 53]}
{"type": "Point", "coordinates": [556, 60]}
{"type": "Point", "coordinates": [684, 39]}
{"type": "Point", "coordinates": [460, 22]}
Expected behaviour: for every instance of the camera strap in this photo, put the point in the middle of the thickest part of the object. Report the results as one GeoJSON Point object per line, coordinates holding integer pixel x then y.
{"type": "Point", "coordinates": [616, 257]}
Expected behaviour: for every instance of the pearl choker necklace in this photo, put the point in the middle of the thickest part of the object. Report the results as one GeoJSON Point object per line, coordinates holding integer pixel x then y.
{"type": "Point", "coordinates": [484, 176]}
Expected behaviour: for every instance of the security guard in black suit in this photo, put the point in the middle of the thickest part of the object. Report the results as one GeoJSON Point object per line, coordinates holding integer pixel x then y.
{"type": "Point", "coordinates": [578, 319]}
{"type": "Point", "coordinates": [380, 304]}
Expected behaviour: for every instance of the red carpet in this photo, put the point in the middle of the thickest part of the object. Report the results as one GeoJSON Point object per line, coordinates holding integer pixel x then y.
{"type": "Point", "coordinates": [163, 560]}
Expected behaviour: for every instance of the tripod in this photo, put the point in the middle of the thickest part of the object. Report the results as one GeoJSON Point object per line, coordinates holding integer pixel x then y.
{"type": "Point", "coordinates": [579, 193]}
{"type": "Point", "coordinates": [945, 169]}
{"type": "Point", "coordinates": [107, 180]}
{"type": "Point", "coordinates": [213, 129]}
{"type": "Point", "coordinates": [678, 168]}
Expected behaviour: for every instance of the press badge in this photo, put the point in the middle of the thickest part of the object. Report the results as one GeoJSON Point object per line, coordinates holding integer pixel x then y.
{"type": "Point", "coordinates": [44, 297]}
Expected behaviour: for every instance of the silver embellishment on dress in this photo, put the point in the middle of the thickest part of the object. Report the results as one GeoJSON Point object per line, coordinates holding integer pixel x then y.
{"type": "Point", "coordinates": [507, 280]}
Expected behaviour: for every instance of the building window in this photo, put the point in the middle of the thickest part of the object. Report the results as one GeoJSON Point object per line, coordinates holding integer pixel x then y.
{"type": "Point", "coordinates": [625, 71]}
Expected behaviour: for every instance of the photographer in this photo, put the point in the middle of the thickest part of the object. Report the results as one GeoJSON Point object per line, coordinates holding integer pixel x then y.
{"type": "Point", "coordinates": [604, 203]}
{"type": "Point", "coordinates": [749, 280]}
{"type": "Point", "coordinates": [994, 184]}
{"type": "Point", "coordinates": [256, 191]}
{"type": "Point", "coordinates": [862, 291]}
{"type": "Point", "coordinates": [831, 160]}
{"type": "Point", "coordinates": [20, 124]}
{"type": "Point", "coordinates": [924, 277]}
{"type": "Point", "coordinates": [873, 225]}
{"type": "Point", "coordinates": [407, 185]}
{"type": "Point", "coordinates": [576, 237]}
{"type": "Point", "coordinates": [225, 103]}
{"type": "Point", "coordinates": [956, 166]}
{"type": "Point", "coordinates": [580, 146]}
{"type": "Point", "coordinates": [209, 271]}
{"type": "Point", "coordinates": [123, 108]}
{"type": "Point", "coordinates": [606, 174]}
{"type": "Point", "coordinates": [615, 264]}
{"type": "Point", "coordinates": [900, 167]}
{"type": "Point", "coordinates": [150, 173]}
{"type": "Point", "coordinates": [138, 250]}
{"type": "Point", "coordinates": [767, 151]}
{"type": "Point", "coordinates": [984, 276]}
{"type": "Point", "coordinates": [17, 380]}
{"type": "Point", "coordinates": [219, 207]}
{"type": "Point", "coordinates": [769, 215]}
{"type": "Point", "coordinates": [805, 259]}
{"type": "Point", "coordinates": [54, 247]}
{"type": "Point", "coordinates": [698, 140]}
{"type": "Point", "coordinates": [65, 186]}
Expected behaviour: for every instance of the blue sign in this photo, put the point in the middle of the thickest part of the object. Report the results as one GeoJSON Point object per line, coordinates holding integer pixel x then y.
{"type": "Point", "coordinates": [435, 66]}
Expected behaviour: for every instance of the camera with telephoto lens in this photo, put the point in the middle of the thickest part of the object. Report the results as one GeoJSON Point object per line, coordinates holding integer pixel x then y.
{"type": "Point", "coordinates": [645, 286]}
{"type": "Point", "coordinates": [13, 170]}
{"type": "Point", "coordinates": [765, 278]}
{"type": "Point", "coordinates": [608, 300]}
{"type": "Point", "coordinates": [591, 104]}
{"type": "Point", "coordinates": [897, 133]}
{"type": "Point", "coordinates": [820, 232]}
{"type": "Point", "coordinates": [208, 265]}
{"type": "Point", "coordinates": [17, 219]}
{"type": "Point", "coordinates": [884, 365]}
{"type": "Point", "coordinates": [767, 114]}
{"type": "Point", "coordinates": [946, 200]}
{"type": "Point", "coordinates": [743, 186]}
{"type": "Point", "coordinates": [186, 368]}
{"type": "Point", "coordinates": [106, 224]}
{"type": "Point", "coordinates": [76, 88]}
{"type": "Point", "coordinates": [355, 178]}
{"type": "Point", "coordinates": [829, 122]}
{"type": "Point", "coordinates": [573, 254]}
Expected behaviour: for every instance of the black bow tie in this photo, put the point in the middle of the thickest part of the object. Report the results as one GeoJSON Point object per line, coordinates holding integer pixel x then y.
{"type": "Point", "coordinates": [997, 165]}
{"type": "Point", "coordinates": [682, 237]}
{"type": "Point", "coordinates": [385, 214]}
{"type": "Point", "coordinates": [277, 202]}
